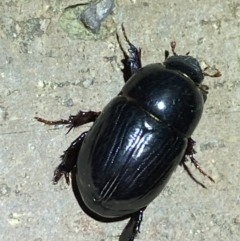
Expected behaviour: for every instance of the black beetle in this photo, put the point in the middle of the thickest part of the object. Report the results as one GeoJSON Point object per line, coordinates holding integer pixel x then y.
{"type": "Point", "coordinates": [125, 160]}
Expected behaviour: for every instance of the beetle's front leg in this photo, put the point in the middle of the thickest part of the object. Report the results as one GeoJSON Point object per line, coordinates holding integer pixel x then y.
{"type": "Point", "coordinates": [133, 227]}
{"type": "Point", "coordinates": [82, 117]}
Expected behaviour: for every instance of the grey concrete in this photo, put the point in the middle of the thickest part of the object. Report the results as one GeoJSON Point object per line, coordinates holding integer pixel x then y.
{"type": "Point", "coordinates": [44, 72]}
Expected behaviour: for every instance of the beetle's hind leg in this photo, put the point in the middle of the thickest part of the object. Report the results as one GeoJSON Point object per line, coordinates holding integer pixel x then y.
{"type": "Point", "coordinates": [189, 155]}
{"type": "Point", "coordinates": [133, 227]}
{"type": "Point", "coordinates": [132, 59]}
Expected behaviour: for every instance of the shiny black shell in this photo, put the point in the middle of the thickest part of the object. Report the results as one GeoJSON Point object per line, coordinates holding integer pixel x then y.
{"type": "Point", "coordinates": [138, 140]}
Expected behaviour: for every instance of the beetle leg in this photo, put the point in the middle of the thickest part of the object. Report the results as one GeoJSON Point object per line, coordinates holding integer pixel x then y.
{"type": "Point", "coordinates": [69, 159]}
{"type": "Point", "coordinates": [73, 121]}
{"type": "Point", "coordinates": [134, 58]}
{"type": "Point", "coordinates": [191, 175]}
{"type": "Point", "coordinates": [133, 227]}
{"type": "Point", "coordinates": [189, 154]}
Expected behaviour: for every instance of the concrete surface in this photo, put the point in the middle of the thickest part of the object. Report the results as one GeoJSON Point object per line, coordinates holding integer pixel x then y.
{"type": "Point", "coordinates": [44, 72]}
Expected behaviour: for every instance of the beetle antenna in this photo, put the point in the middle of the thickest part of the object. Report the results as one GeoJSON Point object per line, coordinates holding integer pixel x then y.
{"type": "Point", "coordinates": [215, 75]}
{"type": "Point", "coordinates": [173, 46]}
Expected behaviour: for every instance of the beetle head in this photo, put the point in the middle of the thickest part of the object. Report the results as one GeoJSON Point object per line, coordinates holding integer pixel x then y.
{"type": "Point", "coordinates": [187, 65]}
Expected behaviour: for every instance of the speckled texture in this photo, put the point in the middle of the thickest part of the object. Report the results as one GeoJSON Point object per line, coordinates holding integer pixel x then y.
{"type": "Point", "coordinates": [45, 72]}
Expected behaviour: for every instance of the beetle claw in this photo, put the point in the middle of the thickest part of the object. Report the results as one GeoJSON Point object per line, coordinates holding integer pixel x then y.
{"type": "Point", "coordinates": [58, 175]}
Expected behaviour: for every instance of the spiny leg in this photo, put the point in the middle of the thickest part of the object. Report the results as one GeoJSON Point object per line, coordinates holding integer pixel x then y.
{"type": "Point", "coordinates": [133, 227]}
{"type": "Point", "coordinates": [134, 58]}
{"type": "Point", "coordinates": [69, 158]}
{"type": "Point", "coordinates": [189, 155]}
{"type": "Point", "coordinates": [82, 117]}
